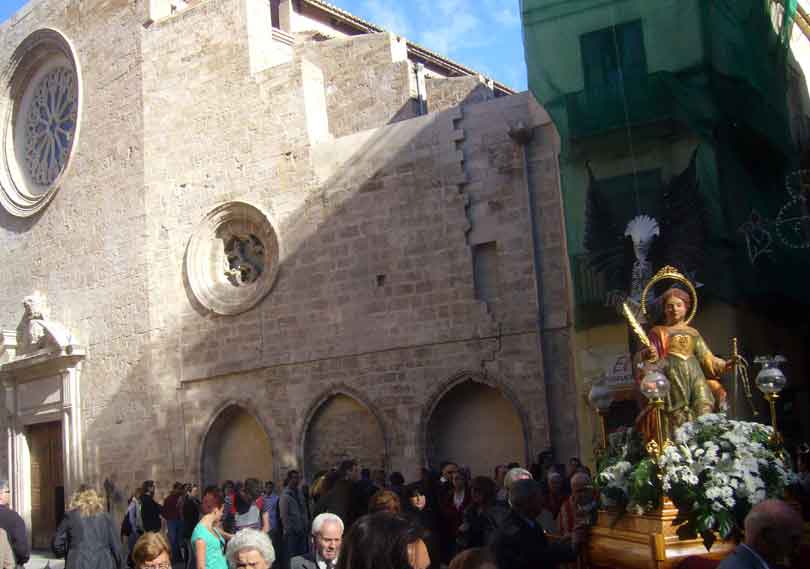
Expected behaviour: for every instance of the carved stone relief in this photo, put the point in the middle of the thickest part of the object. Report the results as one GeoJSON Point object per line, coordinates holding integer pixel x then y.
{"type": "Point", "coordinates": [40, 370]}
{"type": "Point", "coordinates": [232, 258]}
{"type": "Point", "coordinates": [36, 332]}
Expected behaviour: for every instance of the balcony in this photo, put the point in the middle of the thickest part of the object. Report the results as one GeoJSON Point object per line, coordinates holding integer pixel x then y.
{"type": "Point", "coordinates": [596, 111]}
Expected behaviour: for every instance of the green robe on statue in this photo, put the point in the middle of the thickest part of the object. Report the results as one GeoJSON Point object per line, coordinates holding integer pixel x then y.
{"type": "Point", "coordinates": [687, 362]}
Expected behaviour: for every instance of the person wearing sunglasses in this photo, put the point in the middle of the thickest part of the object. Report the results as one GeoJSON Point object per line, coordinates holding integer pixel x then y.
{"type": "Point", "coordinates": [250, 549]}
{"type": "Point", "coordinates": [152, 551]}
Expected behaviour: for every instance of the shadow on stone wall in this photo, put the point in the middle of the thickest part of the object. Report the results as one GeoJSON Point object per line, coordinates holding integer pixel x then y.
{"type": "Point", "coordinates": [375, 292]}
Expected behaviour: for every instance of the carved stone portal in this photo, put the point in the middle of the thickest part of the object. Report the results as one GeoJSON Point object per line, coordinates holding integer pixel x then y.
{"type": "Point", "coordinates": [40, 369]}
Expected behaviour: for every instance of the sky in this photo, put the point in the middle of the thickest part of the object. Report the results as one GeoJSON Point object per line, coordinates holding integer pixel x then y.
{"type": "Point", "coordinates": [484, 35]}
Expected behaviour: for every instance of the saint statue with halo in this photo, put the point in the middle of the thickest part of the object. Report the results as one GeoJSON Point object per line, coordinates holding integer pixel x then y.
{"type": "Point", "coordinates": [678, 351]}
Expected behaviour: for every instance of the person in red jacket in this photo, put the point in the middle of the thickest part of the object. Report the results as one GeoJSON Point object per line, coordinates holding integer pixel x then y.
{"type": "Point", "coordinates": [451, 514]}
{"type": "Point", "coordinates": [174, 519]}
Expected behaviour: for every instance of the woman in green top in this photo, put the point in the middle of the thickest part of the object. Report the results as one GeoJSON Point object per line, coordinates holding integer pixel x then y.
{"type": "Point", "coordinates": [208, 539]}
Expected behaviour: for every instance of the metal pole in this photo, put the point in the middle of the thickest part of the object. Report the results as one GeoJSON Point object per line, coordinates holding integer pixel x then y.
{"type": "Point", "coordinates": [602, 429]}
{"type": "Point", "coordinates": [659, 430]}
{"type": "Point", "coordinates": [735, 411]}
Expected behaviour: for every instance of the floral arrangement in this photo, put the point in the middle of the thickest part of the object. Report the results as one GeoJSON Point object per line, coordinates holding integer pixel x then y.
{"type": "Point", "coordinates": [627, 478]}
{"type": "Point", "coordinates": [714, 471]}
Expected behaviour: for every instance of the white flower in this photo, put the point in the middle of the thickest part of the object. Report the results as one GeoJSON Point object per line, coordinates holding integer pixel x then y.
{"type": "Point", "coordinates": [712, 492]}
{"type": "Point", "coordinates": [722, 470]}
{"type": "Point", "coordinates": [636, 509]}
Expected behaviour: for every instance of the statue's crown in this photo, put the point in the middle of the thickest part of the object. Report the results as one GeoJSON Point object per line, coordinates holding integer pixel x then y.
{"type": "Point", "coordinates": [668, 271]}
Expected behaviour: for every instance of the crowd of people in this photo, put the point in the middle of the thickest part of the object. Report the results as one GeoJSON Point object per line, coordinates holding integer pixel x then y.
{"type": "Point", "coordinates": [348, 518]}
{"type": "Point", "coordinates": [441, 516]}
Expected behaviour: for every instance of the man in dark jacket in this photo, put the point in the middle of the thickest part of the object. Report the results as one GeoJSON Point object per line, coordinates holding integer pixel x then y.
{"type": "Point", "coordinates": [343, 499]}
{"type": "Point", "coordinates": [191, 515]}
{"type": "Point", "coordinates": [365, 488]}
{"type": "Point", "coordinates": [520, 542]}
{"type": "Point", "coordinates": [14, 526]}
{"type": "Point", "coordinates": [150, 510]}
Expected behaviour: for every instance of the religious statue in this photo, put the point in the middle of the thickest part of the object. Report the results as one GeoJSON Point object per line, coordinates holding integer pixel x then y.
{"type": "Point", "coordinates": [678, 351]}
{"type": "Point", "coordinates": [36, 331]}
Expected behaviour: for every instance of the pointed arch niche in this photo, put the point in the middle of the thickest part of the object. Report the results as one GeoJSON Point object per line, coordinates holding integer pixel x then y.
{"type": "Point", "coordinates": [236, 447]}
{"type": "Point", "coordinates": [339, 428]}
{"type": "Point", "coordinates": [474, 424]}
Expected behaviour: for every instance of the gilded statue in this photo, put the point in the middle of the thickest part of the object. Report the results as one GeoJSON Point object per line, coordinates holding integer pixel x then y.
{"type": "Point", "coordinates": [678, 351]}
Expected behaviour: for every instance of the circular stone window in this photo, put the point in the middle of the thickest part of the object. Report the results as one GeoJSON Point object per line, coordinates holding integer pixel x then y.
{"type": "Point", "coordinates": [39, 109]}
{"type": "Point", "coordinates": [232, 258]}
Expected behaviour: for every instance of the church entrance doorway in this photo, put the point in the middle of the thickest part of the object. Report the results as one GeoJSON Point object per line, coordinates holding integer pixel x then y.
{"type": "Point", "coordinates": [47, 481]}
{"type": "Point", "coordinates": [236, 447]}
{"type": "Point", "coordinates": [474, 425]}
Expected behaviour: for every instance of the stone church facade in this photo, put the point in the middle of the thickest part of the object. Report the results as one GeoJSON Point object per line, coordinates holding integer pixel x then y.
{"type": "Point", "coordinates": [254, 236]}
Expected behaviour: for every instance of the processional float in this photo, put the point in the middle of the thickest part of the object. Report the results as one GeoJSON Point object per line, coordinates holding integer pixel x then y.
{"type": "Point", "coordinates": [687, 408]}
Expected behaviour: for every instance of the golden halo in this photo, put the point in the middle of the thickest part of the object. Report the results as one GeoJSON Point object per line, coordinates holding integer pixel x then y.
{"type": "Point", "coordinates": [671, 273]}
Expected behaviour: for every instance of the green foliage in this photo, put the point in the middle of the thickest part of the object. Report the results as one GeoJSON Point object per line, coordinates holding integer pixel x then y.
{"type": "Point", "coordinates": [645, 488]}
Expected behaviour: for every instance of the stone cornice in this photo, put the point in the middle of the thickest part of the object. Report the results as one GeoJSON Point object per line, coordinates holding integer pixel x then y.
{"type": "Point", "coordinates": [42, 362]}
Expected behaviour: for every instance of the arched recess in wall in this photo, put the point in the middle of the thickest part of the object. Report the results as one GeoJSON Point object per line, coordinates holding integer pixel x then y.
{"type": "Point", "coordinates": [236, 446]}
{"type": "Point", "coordinates": [475, 423]}
{"type": "Point", "coordinates": [340, 426]}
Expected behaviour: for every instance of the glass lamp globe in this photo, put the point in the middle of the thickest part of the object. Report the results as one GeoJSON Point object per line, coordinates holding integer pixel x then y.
{"type": "Point", "coordinates": [770, 378]}
{"type": "Point", "coordinates": [654, 385]}
{"type": "Point", "coordinates": [600, 397]}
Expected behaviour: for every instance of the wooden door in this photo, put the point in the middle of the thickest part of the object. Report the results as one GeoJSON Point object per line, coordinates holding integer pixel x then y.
{"type": "Point", "coordinates": [47, 485]}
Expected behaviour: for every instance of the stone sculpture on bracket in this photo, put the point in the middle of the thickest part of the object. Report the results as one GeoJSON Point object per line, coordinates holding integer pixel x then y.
{"type": "Point", "coordinates": [36, 332]}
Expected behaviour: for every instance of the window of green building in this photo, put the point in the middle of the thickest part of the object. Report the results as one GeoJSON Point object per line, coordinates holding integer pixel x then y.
{"type": "Point", "coordinates": [630, 195]}
{"type": "Point", "coordinates": [613, 53]}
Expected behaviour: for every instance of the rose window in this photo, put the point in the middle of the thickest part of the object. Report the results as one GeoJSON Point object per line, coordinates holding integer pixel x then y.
{"type": "Point", "coordinates": [232, 258]}
{"type": "Point", "coordinates": [50, 123]}
{"type": "Point", "coordinates": [40, 116]}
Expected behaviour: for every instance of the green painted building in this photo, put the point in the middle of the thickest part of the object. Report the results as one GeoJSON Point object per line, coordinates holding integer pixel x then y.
{"type": "Point", "coordinates": [693, 113]}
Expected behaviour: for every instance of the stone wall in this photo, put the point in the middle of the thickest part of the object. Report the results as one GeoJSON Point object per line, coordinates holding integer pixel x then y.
{"type": "Point", "coordinates": [477, 426]}
{"type": "Point", "coordinates": [236, 447]}
{"type": "Point", "coordinates": [369, 80]}
{"type": "Point", "coordinates": [446, 92]}
{"type": "Point", "coordinates": [400, 386]}
{"type": "Point", "coordinates": [343, 428]}
{"type": "Point", "coordinates": [378, 270]}
{"type": "Point", "coordinates": [79, 251]}
{"type": "Point", "coordinates": [377, 218]}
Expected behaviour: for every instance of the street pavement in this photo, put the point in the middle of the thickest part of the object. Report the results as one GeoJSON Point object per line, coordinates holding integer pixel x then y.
{"type": "Point", "coordinates": [43, 559]}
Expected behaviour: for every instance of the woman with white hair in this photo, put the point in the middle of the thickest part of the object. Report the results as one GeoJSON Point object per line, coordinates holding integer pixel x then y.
{"type": "Point", "coordinates": [250, 548]}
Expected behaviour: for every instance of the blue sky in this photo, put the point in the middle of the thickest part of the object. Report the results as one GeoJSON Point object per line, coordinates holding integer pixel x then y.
{"type": "Point", "coordinates": [482, 34]}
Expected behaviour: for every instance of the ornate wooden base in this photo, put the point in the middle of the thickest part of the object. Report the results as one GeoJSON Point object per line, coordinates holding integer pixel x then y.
{"type": "Point", "coordinates": [649, 541]}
